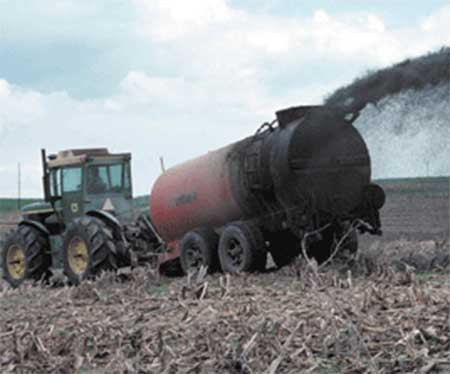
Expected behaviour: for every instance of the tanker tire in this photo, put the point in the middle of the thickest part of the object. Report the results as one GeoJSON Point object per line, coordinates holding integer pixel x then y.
{"type": "Point", "coordinates": [324, 248]}
{"type": "Point", "coordinates": [284, 248]}
{"type": "Point", "coordinates": [242, 248]}
{"type": "Point", "coordinates": [36, 254]}
{"type": "Point", "coordinates": [172, 268]}
{"type": "Point", "coordinates": [101, 251]}
{"type": "Point", "coordinates": [201, 243]}
{"type": "Point", "coordinates": [351, 243]}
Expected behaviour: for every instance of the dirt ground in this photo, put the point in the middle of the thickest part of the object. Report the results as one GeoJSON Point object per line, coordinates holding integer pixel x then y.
{"type": "Point", "coordinates": [387, 310]}
{"type": "Point", "coordinates": [6, 223]}
{"type": "Point", "coordinates": [416, 216]}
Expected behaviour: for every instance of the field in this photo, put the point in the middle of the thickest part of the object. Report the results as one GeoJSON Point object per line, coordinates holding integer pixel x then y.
{"type": "Point", "coordinates": [387, 310]}
{"type": "Point", "coordinates": [416, 208]}
{"type": "Point", "coordinates": [11, 205]}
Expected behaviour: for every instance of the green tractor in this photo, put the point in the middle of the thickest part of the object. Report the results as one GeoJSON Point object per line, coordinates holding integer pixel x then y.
{"type": "Point", "coordinates": [87, 224]}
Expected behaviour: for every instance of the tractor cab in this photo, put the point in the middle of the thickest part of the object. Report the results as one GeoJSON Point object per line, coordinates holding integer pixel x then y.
{"type": "Point", "coordinates": [83, 180]}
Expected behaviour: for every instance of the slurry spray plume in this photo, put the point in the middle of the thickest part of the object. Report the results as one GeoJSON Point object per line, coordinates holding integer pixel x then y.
{"type": "Point", "coordinates": [403, 113]}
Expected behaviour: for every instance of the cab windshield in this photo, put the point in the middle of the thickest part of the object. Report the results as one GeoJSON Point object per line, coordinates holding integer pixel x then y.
{"type": "Point", "coordinates": [108, 178]}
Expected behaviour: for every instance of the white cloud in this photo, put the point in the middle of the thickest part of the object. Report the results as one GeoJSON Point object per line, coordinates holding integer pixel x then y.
{"type": "Point", "coordinates": [213, 28]}
{"type": "Point", "coordinates": [61, 21]}
{"type": "Point", "coordinates": [221, 83]}
{"type": "Point", "coordinates": [16, 111]}
{"type": "Point", "coordinates": [438, 22]}
{"type": "Point", "coordinates": [168, 20]}
{"type": "Point", "coordinates": [225, 56]}
{"type": "Point", "coordinates": [434, 31]}
{"type": "Point", "coordinates": [149, 116]}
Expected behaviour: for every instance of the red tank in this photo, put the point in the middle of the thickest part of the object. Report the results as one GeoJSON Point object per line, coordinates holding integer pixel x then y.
{"type": "Point", "coordinates": [310, 172]}
{"type": "Point", "coordinates": [194, 194]}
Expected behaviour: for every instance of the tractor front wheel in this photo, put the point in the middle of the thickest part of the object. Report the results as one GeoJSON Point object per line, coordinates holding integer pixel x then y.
{"type": "Point", "coordinates": [25, 255]}
{"type": "Point", "coordinates": [88, 249]}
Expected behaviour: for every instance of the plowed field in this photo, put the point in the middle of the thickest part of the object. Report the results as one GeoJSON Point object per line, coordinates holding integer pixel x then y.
{"type": "Point", "coordinates": [387, 310]}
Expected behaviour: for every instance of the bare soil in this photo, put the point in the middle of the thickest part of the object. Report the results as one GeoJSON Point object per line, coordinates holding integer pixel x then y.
{"type": "Point", "coordinates": [387, 310]}
{"type": "Point", "coordinates": [7, 223]}
{"type": "Point", "coordinates": [416, 216]}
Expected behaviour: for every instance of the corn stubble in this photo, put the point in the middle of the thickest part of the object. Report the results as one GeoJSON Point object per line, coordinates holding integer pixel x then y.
{"type": "Point", "coordinates": [386, 310]}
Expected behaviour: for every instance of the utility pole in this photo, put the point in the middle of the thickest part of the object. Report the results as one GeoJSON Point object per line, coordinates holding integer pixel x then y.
{"type": "Point", "coordinates": [161, 161]}
{"type": "Point", "coordinates": [18, 186]}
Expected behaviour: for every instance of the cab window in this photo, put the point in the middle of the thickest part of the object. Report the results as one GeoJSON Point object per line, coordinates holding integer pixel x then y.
{"type": "Point", "coordinates": [55, 182]}
{"type": "Point", "coordinates": [126, 177]}
{"type": "Point", "coordinates": [116, 176]}
{"type": "Point", "coordinates": [71, 179]}
{"type": "Point", "coordinates": [105, 178]}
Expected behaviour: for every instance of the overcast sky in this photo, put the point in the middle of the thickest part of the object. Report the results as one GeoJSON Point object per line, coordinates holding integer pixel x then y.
{"type": "Point", "coordinates": [177, 78]}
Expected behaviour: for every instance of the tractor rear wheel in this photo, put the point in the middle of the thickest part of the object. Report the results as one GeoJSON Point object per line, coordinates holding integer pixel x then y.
{"type": "Point", "coordinates": [88, 249]}
{"type": "Point", "coordinates": [242, 248]}
{"type": "Point", "coordinates": [25, 255]}
{"type": "Point", "coordinates": [199, 248]}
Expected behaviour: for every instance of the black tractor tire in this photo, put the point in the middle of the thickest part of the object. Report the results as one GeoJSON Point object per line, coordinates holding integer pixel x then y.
{"type": "Point", "coordinates": [199, 248]}
{"type": "Point", "coordinates": [32, 247]}
{"type": "Point", "coordinates": [242, 248]}
{"type": "Point", "coordinates": [284, 248]}
{"type": "Point", "coordinates": [96, 250]}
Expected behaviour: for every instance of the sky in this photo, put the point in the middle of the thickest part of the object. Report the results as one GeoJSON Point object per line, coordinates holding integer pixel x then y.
{"type": "Point", "coordinates": [178, 78]}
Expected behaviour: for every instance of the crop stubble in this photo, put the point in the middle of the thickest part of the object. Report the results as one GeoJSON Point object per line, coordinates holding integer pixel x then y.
{"type": "Point", "coordinates": [370, 314]}
{"type": "Point", "coordinates": [385, 311]}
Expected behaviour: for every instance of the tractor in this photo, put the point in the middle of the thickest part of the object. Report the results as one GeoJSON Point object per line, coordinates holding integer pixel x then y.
{"type": "Point", "coordinates": [86, 225]}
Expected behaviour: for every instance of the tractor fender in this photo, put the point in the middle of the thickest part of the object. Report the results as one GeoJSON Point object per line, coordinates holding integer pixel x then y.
{"type": "Point", "coordinates": [37, 225]}
{"type": "Point", "coordinates": [106, 217]}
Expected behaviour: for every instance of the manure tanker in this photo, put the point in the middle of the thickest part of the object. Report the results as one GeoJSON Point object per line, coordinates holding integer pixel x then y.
{"type": "Point", "coordinates": [305, 181]}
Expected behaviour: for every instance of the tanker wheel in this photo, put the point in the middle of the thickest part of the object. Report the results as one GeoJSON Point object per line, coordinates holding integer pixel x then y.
{"type": "Point", "coordinates": [350, 244]}
{"type": "Point", "coordinates": [284, 248]}
{"type": "Point", "coordinates": [88, 249]}
{"type": "Point", "coordinates": [242, 248]}
{"type": "Point", "coordinates": [321, 250]}
{"type": "Point", "coordinates": [199, 248]}
{"type": "Point", "coordinates": [172, 268]}
{"type": "Point", "coordinates": [25, 255]}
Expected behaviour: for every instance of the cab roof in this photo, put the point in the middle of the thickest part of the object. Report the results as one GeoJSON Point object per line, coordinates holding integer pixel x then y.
{"type": "Point", "coordinates": [80, 156]}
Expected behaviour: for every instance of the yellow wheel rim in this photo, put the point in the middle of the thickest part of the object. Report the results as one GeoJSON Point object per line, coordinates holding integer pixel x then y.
{"type": "Point", "coordinates": [15, 262]}
{"type": "Point", "coordinates": [77, 255]}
